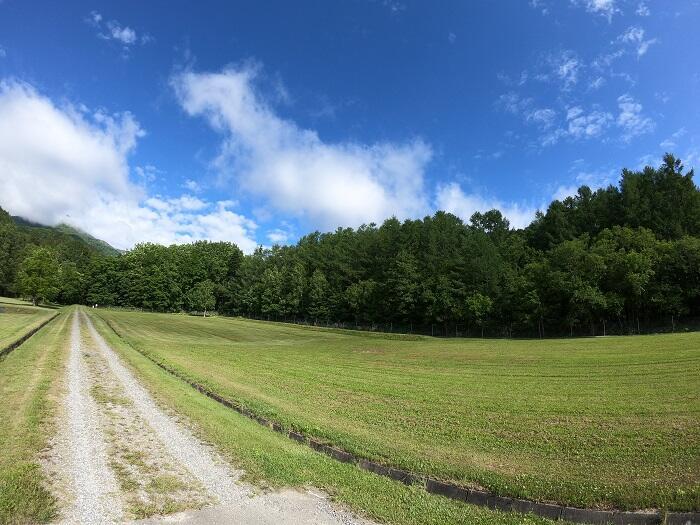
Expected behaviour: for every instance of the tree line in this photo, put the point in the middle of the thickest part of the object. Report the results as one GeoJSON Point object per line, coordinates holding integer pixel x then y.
{"type": "Point", "coordinates": [621, 259]}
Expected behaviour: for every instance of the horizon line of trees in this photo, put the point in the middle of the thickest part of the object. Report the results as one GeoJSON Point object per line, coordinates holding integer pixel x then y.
{"type": "Point", "coordinates": [612, 260]}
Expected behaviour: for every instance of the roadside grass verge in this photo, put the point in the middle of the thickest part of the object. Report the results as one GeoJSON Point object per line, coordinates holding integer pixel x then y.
{"type": "Point", "coordinates": [272, 461]}
{"type": "Point", "coordinates": [599, 422]}
{"type": "Point", "coordinates": [28, 383]}
{"type": "Point", "coordinates": [16, 319]}
{"type": "Point", "coordinates": [13, 300]}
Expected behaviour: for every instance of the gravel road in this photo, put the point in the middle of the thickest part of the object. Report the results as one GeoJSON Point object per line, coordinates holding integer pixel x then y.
{"type": "Point", "coordinates": [81, 449]}
{"type": "Point", "coordinates": [115, 444]}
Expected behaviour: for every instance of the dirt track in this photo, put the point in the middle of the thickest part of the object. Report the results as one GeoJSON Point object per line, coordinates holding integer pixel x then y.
{"type": "Point", "coordinates": [119, 457]}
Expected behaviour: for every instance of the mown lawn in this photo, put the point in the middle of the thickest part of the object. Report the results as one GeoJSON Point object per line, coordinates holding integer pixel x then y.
{"type": "Point", "coordinates": [272, 460]}
{"type": "Point", "coordinates": [17, 318]}
{"type": "Point", "coordinates": [28, 381]}
{"type": "Point", "coordinates": [607, 422]}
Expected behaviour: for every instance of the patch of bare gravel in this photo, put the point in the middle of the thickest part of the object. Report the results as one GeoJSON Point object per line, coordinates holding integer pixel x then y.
{"type": "Point", "coordinates": [201, 461]}
{"type": "Point", "coordinates": [78, 462]}
{"type": "Point", "coordinates": [151, 481]}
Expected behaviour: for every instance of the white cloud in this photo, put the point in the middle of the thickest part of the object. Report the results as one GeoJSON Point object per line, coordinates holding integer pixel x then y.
{"type": "Point", "coordinates": [279, 236]}
{"type": "Point", "coordinates": [113, 30]}
{"type": "Point", "coordinates": [670, 143]}
{"type": "Point", "coordinates": [193, 186]}
{"type": "Point", "coordinates": [597, 83]}
{"type": "Point", "coordinates": [178, 204]}
{"type": "Point", "coordinates": [631, 119]}
{"type": "Point", "coordinates": [451, 198]}
{"type": "Point", "coordinates": [539, 4]}
{"type": "Point", "coordinates": [95, 18]}
{"type": "Point", "coordinates": [563, 67]}
{"type": "Point", "coordinates": [451, 37]}
{"type": "Point", "coordinates": [605, 8]}
{"type": "Point", "coordinates": [594, 179]}
{"type": "Point", "coordinates": [147, 173]}
{"type": "Point", "coordinates": [295, 171]}
{"type": "Point", "coordinates": [393, 6]}
{"type": "Point", "coordinates": [544, 117]}
{"type": "Point", "coordinates": [567, 71]}
{"type": "Point", "coordinates": [64, 164]}
{"type": "Point", "coordinates": [514, 103]}
{"type": "Point", "coordinates": [562, 192]}
{"type": "Point", "coordinates": [691, 159]}
{"type": "Point", "coordinates": [3, 52]}
{"type": "Point", "coordinates": [635, 36]}
{"type": "Point", "coordinates": [643, 9]}
{"type": "Point", "coordinates": [125, 35]}
{"type": "Point", "coordinates": [606, 60]}
{"type": "Point", "coordinates": [582, 125]}
{"type": "Point", "coordinates": [579, 125]}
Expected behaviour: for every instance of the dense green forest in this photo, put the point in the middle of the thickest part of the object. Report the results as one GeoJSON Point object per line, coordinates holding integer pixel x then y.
{"type": "Point", "coordinates": [622, 259]}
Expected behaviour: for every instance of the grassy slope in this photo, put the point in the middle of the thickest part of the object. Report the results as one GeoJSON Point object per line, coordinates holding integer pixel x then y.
{"type": "Point", "coordinates": [273, 460]}
{"type": "Point", "coordinates": [16, 319]}
{"type": "Point", "coordinates": [607, 422]}
{"type": "Point", "coordinates": [28, 379]}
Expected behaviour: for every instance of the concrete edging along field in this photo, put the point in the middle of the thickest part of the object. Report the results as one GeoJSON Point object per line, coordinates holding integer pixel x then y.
{"type": "Point", "coordinates": [12, 346]}
{"type": "Point", "coordinates": [433, 486]}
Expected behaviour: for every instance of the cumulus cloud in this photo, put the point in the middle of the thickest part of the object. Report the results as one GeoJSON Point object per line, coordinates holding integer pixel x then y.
{"type": "Point", "coordinates": [292, 169]}
{"type": "Point", "coordinates": [631, 119]}
{"type": "Point", "coordinates": [578, 123]}
{"type": "Point", "coordinates": [581, 124]}
{"type": "Point", "coordinates": [125, 35]}
{"type": "Point", "coordinates": [451, 198]}
{"type": "Point", "coordinates": [65, 164]}
{"type": "Point", "coordinates": [586, 125]}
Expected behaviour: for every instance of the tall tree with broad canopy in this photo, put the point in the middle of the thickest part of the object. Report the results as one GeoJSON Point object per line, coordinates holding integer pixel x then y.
{"type": "Point", "coordinates": [38, 275]}
{"type": "Point", "coordinates": [201, 297]}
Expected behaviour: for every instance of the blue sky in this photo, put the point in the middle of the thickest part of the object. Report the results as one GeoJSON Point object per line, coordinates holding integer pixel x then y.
{"type": "Point", "coordinates": [257, 122]}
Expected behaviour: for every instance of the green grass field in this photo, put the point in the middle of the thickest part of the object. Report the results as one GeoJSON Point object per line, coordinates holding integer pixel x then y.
{"type": "Point", "coordinates": [607, 422]}
{"type": "Point", "coordinates": [17, 318]}
{"type": "Point", "coordinates": [272, 460]}
{"type": "Point", "coordinates": [28, 382]}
